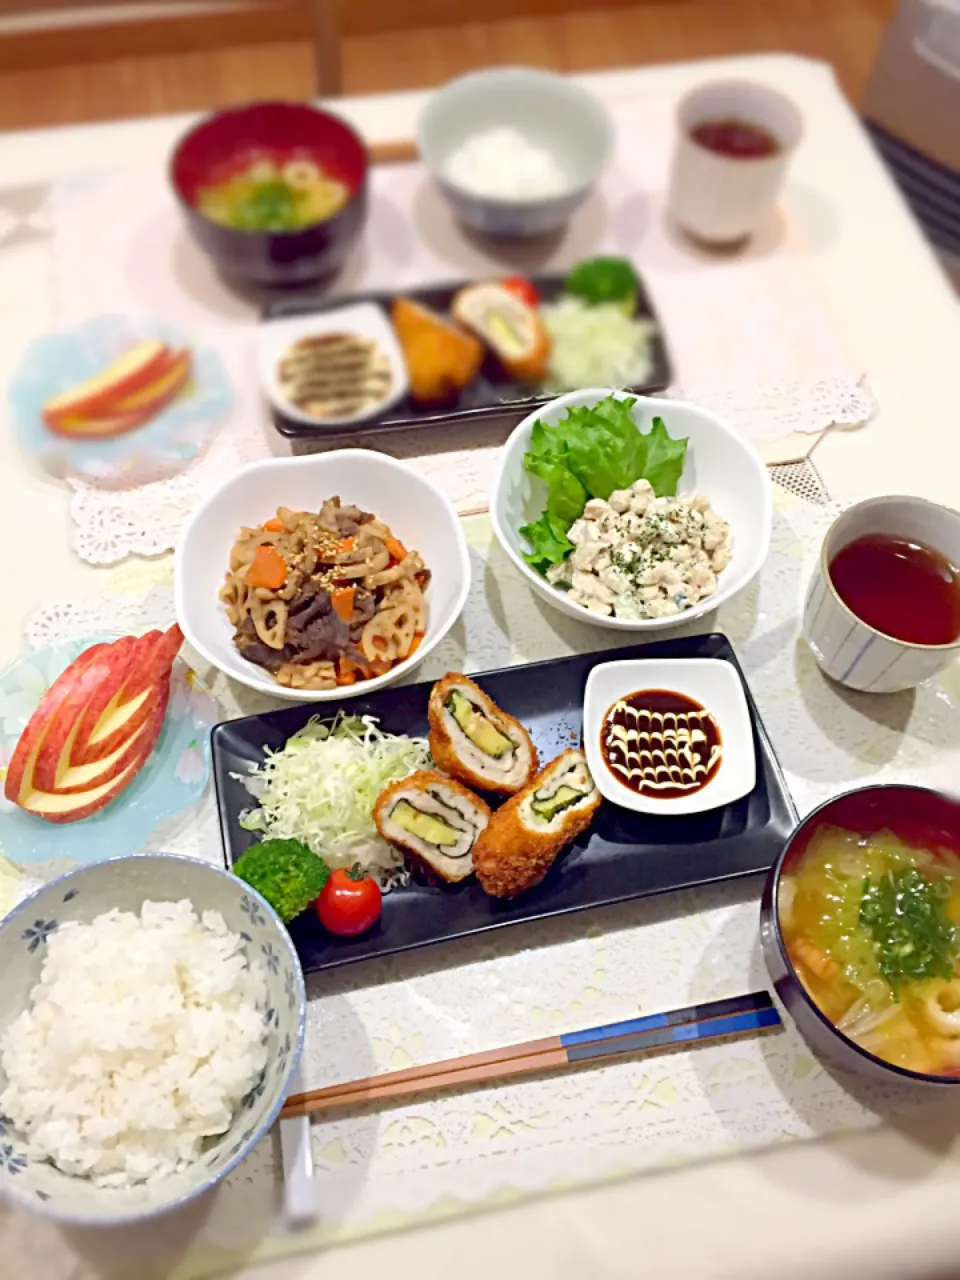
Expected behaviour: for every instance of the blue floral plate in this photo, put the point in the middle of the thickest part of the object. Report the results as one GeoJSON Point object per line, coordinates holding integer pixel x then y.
{"type": "Point", "coordinates": [164, 444]}
{"type": "Point", "coordinates": [174, 776]}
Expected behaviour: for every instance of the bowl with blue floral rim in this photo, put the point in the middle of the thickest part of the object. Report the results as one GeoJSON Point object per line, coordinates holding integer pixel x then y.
{"type": "Point", "coordinates": [126, 883]}
{"type": "Point", "coordinates": [174, 776]}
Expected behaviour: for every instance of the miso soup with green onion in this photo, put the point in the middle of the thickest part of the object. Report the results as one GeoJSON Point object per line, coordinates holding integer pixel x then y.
{"type": "Point", "coordinates": [268, 195]}
{"type": "Point", "coordinates": [872, 927]}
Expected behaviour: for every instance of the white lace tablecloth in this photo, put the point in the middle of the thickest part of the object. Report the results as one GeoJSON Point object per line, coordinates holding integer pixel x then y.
{"type": "Point", "coordinates": [380, 1169]}
{"type": "Point", "coordinates": [749, 335]}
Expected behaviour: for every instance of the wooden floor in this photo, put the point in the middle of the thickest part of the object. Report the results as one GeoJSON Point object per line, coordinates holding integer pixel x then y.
{"type": "Point", "coordinates": [843, 32]}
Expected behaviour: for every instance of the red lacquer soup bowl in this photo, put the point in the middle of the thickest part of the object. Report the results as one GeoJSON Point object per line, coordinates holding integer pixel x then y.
{"type": "Point", "coordinates": [920, 817]}
{"type": "Point", "coordinates": [227, 143]}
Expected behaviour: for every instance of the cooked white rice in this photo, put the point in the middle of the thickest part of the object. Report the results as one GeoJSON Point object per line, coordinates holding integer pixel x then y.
{"type": "Point", "coordinates": [138, 1042]}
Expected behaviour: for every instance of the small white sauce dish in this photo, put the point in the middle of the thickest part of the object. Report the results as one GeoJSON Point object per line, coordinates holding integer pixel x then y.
{"type": "Point", "coordinates": [717, 686]}
{"type": "Point", "coordinates": [362, 319]}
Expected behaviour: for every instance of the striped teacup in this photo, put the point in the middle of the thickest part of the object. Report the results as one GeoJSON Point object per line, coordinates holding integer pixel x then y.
{"type": "Point", "coordinates": [848, 649]}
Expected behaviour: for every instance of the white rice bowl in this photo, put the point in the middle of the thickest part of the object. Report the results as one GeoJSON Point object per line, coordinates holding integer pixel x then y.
{"type": "Point", "coordinates": [151, 1017]}
{"type": "Point", "coordinates": [141, 1039]}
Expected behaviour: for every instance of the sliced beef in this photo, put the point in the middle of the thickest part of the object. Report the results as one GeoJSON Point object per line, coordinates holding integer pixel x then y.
{"type": "Point", "coordinates": [344, 520]}
{"type": "Point", "coordinates": [364, 607]}
{"type": "Point", "coordinates": [325, 640]}
{"type": "Point", "coordinates": [349, 520]}
{"type": "Point", "coordinates": [327, 515]}
{"type": "Point", "coordinates": [312, 601]}
{"type": "Point", "coordinates": [254, 650]}
{"type": "Point", "coordinates": [315, 632]}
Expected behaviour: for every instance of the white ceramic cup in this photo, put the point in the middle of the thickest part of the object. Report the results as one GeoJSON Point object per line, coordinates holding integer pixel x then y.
{"type": "Point", "coordinates": [722, 199]}
{"type": "Point", "coordinates": [848, 649]}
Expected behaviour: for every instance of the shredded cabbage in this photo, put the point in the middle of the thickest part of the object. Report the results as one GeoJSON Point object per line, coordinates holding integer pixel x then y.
{"type": "Point", "coordinates": [595, 346]}
{"type": "Point", "coordinates": [321, 788]}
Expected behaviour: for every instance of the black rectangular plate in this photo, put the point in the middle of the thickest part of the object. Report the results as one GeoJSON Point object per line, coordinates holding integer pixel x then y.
{"type": "Point", "coordinates": [623, 855]}
{"type": "Point", "coordinates": [492, 395]}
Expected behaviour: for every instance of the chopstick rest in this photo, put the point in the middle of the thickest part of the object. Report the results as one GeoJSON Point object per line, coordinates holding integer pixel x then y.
{"type": "Point", "coordinates": [299, 1189]}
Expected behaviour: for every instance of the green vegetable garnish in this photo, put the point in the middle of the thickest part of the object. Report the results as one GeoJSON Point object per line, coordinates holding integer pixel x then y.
{"type": "Point", "coordinates": [548, 542]}
{"type": "Point", "coordinates": [907, 919]}
{"type": "Point", "coordinates": [589, 453]}
{"type": "Point", "coordinates": [271, 206]}
{"type": "Point", "coordinates": [605, 280]}
{"type": "Point", "coordinates": [548, 808]}
{"type": "Point", "coordinates": [285, 872]}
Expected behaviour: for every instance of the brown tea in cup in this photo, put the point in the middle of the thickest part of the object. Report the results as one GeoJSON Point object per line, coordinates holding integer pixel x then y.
{"type": "Point", "coordinates": [736, 138]}
{"type": "Point", "coordinates": [902, 589]}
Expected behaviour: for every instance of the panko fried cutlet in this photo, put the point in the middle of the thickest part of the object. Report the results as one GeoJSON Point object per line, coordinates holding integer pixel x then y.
{"type": "Point", "coordinates": [434, 820]}
{"type": "Point", "coordinates": [523, 838]}
{"type": "Point", "coordinates": [475, 742]}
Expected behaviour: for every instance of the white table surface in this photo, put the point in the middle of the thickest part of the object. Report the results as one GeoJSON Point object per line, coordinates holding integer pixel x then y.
{"type": "Point", "coordinates": [874, 1205]}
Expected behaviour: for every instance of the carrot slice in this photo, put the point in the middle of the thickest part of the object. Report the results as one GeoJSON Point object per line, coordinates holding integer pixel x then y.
{"type": "Point", "coordinates": [342, 600]}
{"type": "Point", "coordinates": [346, 544]}
{"type": "Point", "coordinates": [268, 569]}
{"type": "Point", "coordinates": [346, 671]}
{"type": "Point", "coordinates": [415, 644]}
{"type": "Point", "coordinates": [275, 525]}
{"type": "Point", "coordinates": [396, 548]}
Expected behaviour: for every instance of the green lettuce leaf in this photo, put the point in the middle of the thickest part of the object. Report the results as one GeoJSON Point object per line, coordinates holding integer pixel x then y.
{"type": "Point", "coordinates": [548, 540]}
{"type": "Point", "coordinates": [665, 458]}
{"type": "Point", "coordinates": [590, 452]}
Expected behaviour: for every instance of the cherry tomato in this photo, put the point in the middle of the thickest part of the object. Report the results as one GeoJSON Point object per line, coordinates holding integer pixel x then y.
{"type": "Point", "coordinates": [522, 289]}
{"type": "Point", "coordinates": [350, 902]}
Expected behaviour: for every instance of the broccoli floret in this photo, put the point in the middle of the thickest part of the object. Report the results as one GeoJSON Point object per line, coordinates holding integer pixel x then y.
{"type": "Point", "coordinates": [605, 279]}
{"type": "Point", "coordinates": [285, 872]}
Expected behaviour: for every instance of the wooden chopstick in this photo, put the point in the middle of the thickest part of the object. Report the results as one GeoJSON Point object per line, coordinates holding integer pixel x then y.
{"type": "Point", "coordinates": [718, 1018]}
{"type": "Point", "coordinates": [398, 151]}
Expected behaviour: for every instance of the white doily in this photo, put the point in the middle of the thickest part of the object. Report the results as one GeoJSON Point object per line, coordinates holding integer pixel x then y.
{"type": "Point", "coordinates": [582, 970]}
{"type": "Point", "coordinates": [749, 335]}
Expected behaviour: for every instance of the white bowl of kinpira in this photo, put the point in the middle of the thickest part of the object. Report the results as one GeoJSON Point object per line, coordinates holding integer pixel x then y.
{"type": "Point", "coordinates": [669, 736]}
{"type": "Point", "coordinates": [371, 489]}
{"type": "Point", "coordinates": [332, 368]}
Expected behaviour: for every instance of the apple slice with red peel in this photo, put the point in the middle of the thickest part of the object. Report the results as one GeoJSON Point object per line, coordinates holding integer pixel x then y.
{"type": "Point", "coordinates": [161, 391]}
{"type": "Point", "coordinates": [63, 769]}
{"type": "Point", "coordinates": [119, 704]}
{"type": "Point", "coordinates": [30, 740]}
{"type": "Point", "coordinates": [109, 718]}
{"type": "Point", "coordinates": [126, 408]}
{"type": "Point", "coordinates": [136, 368]}
{"type": "Point", "coordinates": [93, 682]}
{"type": "Point", "coordinates": [97, 428]}
{"type": "Point", "coordinates": [94, 728]}
{"type": "Point", "coordinates": [82, 802]}
{"type": "Point", "coordinates": [81, 778]}
{"type": "Point", "coordinates": [159, 650]}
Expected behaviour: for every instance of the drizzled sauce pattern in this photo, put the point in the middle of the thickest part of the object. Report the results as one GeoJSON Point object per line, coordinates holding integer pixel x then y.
{"type": "Point", "coordinates": [660, 743]}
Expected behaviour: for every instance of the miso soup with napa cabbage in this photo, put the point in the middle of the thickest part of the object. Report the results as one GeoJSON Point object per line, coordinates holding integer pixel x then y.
{"type": "Point", "coordinates": [872, 927]}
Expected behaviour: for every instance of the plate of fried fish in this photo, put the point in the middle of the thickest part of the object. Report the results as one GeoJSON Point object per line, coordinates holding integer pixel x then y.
{"type": "Point", "coordinates": [469, 800]}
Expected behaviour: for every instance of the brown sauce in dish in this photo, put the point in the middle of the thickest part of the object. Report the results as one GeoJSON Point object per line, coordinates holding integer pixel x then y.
{"type": "Point", "coordinates": [335, 375]}
{"type": "Point", "coordinates": [660, 743]}
{"type": "Point", "coordinates": [906, 590]}
{"type": "Point", "coordinates": [736, 138]}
